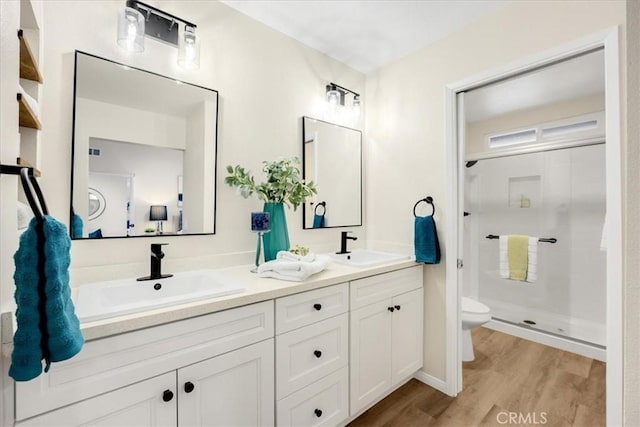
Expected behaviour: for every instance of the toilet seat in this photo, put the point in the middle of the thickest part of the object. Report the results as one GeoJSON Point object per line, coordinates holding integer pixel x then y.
{"type": "Point", "coordinates": [472, 306]}
{"type": "Point", "coordinates": [474, 313]}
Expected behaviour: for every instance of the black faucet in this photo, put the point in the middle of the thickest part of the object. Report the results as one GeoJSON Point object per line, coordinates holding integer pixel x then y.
{"type": "Point", "coordinates": [343, 242]}
{"type": "Point", "coordinates": [156, 263]}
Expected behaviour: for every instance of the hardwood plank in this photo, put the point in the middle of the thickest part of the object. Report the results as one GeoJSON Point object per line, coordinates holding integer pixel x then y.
{"type": "Point", "coordinates": [586, 416]}
{"type": "Point", "coordinates": [510, 377]}
{"type": "Point", "coordinates": [575, 364]}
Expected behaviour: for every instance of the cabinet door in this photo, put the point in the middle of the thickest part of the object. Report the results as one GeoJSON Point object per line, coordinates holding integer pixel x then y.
{"type": "Point", "coordinates": [406, 335]}
{"type": "Point", "coordinates": [370, 368]}
{"type": "Point", "coordinates": [234, 389]}
{"type": "Point", "coordinates": [148, 403]}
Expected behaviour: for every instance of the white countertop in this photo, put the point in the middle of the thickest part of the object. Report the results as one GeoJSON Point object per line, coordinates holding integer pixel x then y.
{"type": "Point", "coordinates": [256, 290]}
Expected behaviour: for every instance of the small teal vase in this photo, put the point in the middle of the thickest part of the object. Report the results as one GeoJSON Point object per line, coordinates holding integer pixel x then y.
{"type": "Point", "coordinates": [278, 238]}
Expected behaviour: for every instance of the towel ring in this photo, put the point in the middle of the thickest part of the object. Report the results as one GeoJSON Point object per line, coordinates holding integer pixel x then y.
{"type": "Point", "coordinates": [428, 200]}
{"type": "Point", "coordinates": [324, 208]}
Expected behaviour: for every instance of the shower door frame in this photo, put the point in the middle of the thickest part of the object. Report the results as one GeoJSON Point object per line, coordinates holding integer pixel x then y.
{"type": "Point", "coordinates": [609, 40]}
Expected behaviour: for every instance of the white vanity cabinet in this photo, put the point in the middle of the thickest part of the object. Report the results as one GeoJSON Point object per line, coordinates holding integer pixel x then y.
{"type": "Point", "coordinates": [312, 357]}
{"type": "Point", "coordinates": [386, 333]}
{"type": "Point", "coordinates": [216, 369]}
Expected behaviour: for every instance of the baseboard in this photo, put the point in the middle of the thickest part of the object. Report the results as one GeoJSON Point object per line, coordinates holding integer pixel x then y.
{"type": "Point", "coordinates": [431, 381]}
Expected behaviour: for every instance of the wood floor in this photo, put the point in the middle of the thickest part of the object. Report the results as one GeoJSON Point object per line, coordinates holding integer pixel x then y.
{"type": "Point", "coordinates": [511, 382]}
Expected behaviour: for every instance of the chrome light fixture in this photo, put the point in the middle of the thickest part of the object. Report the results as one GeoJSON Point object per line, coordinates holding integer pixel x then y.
{"type": "Point", "coordinates": [189, 52]}
{"type": "Point", "coordinates": [333, 95]}
{"type": "Point", "coordinates": [139, 19]}
{"type": "Point", "coordinates": [131, 30]}
{"type": "Point", "coordinates": [336, 96]}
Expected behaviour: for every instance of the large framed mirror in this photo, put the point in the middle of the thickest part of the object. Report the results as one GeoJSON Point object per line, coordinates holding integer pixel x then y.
{"type": "Point", "coordinates": [141, 140]}
{"type": "Point", "coordinates": [332, 158]}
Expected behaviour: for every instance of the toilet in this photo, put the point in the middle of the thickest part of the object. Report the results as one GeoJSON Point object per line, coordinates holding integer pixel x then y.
{"type": "Point", "coordinates": [474, 314]}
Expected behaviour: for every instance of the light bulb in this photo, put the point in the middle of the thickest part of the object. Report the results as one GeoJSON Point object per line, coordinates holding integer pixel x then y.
{"type": "Point", "coordinates": [189, 53]}
{"type": "Point", "coordinates": [131, 30]}
{"type": "Point", "coordinates": [356, 105]}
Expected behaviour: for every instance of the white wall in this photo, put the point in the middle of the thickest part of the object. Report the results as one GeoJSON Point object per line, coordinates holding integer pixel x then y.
{"type": "Point", "coordinates": [405, 108]}
{"type": "Point", "coordinates": [154, 183]}
{"type": "Point", "coordinates": [632, 273]}
{"type": "Point", "coordinates": [266, 82]}
{"type": "Point", "coordinates": [566, 190]}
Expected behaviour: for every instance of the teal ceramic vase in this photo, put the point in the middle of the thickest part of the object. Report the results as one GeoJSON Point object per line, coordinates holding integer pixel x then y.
{"type": "Point", "coordinates": [278, 238]}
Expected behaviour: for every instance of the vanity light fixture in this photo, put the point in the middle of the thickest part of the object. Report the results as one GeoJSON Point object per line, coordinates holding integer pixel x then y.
{"type": "Point", "coordinates": [139, 19]}
{"type": "Point", "coordinates": [336, 96]}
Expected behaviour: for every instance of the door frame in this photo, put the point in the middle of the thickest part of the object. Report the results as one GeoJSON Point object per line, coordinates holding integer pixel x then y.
{"type": "Point", "coordinates": [609, 40]}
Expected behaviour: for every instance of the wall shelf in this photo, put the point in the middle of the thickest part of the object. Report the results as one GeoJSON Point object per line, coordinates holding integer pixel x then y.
{"type": "Point", "coordinates": [27, 117]}
{"type": "Point", "coordinates": [28, 65]}
{"type": "Point", "coordinates": [21, 162]}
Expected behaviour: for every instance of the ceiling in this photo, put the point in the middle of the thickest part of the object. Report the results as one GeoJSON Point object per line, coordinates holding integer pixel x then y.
{"type": "Point", "coordinates": [365, 34]}
{"type": "Point", "coordinates": [565, 81]}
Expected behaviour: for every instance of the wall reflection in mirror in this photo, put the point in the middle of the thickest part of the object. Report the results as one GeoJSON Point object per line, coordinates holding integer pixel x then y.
{"type": "Point", "coordinates": [141, 140]}
{"type": "Point", "coordinates": [332, 158]}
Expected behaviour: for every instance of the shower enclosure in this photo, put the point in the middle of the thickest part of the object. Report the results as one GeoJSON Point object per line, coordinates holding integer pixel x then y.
{"type": "Point", "coordinates": [557, 194]}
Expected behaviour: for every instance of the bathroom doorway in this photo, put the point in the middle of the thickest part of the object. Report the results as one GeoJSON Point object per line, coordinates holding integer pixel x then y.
{"type": "Point", "coordinates": [515, 164]}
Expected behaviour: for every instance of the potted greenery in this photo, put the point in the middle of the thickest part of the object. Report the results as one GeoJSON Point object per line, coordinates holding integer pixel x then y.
{"type": "Point", "coordinates": [284, 186]}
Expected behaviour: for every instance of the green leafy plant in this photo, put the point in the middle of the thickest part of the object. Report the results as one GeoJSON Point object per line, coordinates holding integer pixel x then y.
{"type": "Point", "coordinates": [284, 183]}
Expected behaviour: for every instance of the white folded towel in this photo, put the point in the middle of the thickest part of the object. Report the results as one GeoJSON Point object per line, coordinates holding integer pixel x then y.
{"type": "Point", "coordinates": [290, 256]}
{"type": "Point", "coordinates": [294, 271]}
{"type": "Point", "coordinates": [532, 255]}
{"type": "Point", "coordinates": [504, 256]}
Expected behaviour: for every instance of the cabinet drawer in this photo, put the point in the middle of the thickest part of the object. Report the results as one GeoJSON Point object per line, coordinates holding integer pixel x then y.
{"type": "Point", "coordinates": [377, 288]}
{"type": "Point", "coordinates": [325, 402]}
{"type": "Point", "coordinates": [113, 362]}
{"type": "Point", "coordinates": [308, 354]}
{"type": "Point", "coordinates": [303, 309]}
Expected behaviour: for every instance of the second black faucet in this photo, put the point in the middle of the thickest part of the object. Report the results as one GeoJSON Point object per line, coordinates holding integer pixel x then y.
{"type": "Point", "coordinates": [343, 242]}
{"type": "Point", "coordinates": [156, 263]}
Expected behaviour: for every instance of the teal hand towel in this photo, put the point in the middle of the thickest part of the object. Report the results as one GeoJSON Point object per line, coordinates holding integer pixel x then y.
{"type": "Point", "coordinates": [318, 221]}
{"type": "Point", "coordinates": [425, 240]}
{"type": "Point", "coordinates": [76, 226]}
{"type": "Point", "coordinates": [50, 311]}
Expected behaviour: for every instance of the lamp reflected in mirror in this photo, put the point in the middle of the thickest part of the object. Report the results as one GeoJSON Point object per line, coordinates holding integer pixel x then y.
{"type": "Point", "coordinates": [158, 213]}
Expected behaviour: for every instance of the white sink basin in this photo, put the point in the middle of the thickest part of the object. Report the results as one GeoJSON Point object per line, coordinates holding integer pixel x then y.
{"type": "Point", "coordinates": [367, 258]}
{"type": "Point", "coordinates": [102, 300]}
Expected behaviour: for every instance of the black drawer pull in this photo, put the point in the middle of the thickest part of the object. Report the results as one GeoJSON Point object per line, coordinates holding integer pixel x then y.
{"type": "Point", "coordinates": [397, 307]}
{"type": "Point", "coordinates": [317, 354]}
{"type": "Point", "coordinates": [317, 306]}
{"type": "Point", "coordinates": [167, 395]}
{"type": "Point", "coordinates": [391, 309]}
{"type": "Point", "coordinates": [318, 412]}
{"type": "Point", "coordinates": [189, 387]}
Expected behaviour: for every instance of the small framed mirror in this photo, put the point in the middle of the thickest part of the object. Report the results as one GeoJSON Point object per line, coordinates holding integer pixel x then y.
{"type": "Point", "coordinates": [332, 159]}
{"type": "Point", "coordinates": [97, 204]}
{"type": "Point", "coordinates": [140, 140]}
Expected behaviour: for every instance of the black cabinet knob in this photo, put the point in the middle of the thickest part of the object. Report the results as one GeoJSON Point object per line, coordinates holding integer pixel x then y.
{"type": "Point", "coordinates": [317, 353]}
{"type": "Point", "coordinates": [318, 412]}
{"type": "Point", "coordinates": [317, 306]}
{"type": "Point", "coordinates": [391, 309]}
{"type": "Point", "coordinates": [167, 395]}
{"type": "Point", "coordinates": [189, 387]}
{"type": "Point", "coordinates": [397, 307]}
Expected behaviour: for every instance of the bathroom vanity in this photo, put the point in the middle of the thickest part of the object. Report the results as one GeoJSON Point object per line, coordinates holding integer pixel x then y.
{"type": "Point", "coordinates": [318, 352]}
